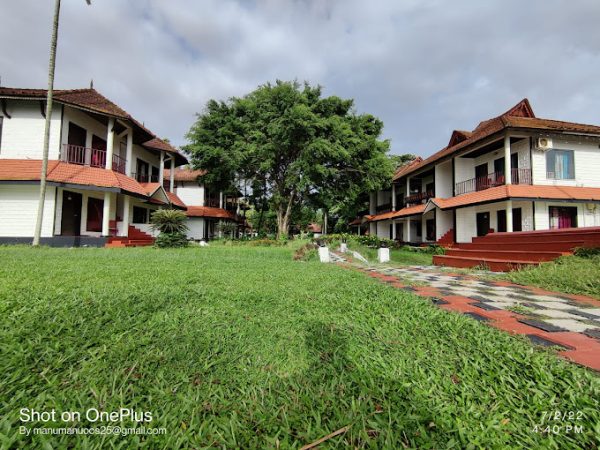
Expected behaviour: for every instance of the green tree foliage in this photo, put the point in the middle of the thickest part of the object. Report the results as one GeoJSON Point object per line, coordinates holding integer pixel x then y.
{"type": "Point", "coordinates": [299, 147]}
{"type": "Point", "coordinates": [401, 160]}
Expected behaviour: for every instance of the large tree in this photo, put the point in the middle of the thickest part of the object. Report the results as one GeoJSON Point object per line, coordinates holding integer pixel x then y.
{"type": "Point", "coordinates": [294, 143]}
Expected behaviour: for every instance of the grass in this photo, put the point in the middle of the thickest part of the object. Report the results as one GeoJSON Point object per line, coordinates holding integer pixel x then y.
{"type": "Point", "coordinates": [568, 274]}
{"type": "Point", "coordinates": [399, 256]}
{"type": "Point", "coordinates": [243, 347]}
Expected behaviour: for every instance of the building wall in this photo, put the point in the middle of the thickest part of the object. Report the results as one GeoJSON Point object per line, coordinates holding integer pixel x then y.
{"type": "Point", "coordinates": [588, 215]}
{"type": "Point", "coordinates": [444, 221]}
{"type": "Point", "coordinates": [466, 218]}
{"type": "Point", "coordinates": [190, 193]}
{"type": "Point", "coordinates": [18, 210]}
{"type": "Point", "coordinates": [383, 229]}
{"type": "Point", "coordinates": [23, 134]}
{"type": "Point", "coordinates": [443, 180]}
{"type": "Point", "coordinates": [196, 228]}
{"type": "Point", "coordinates": [86, 195]}
{"type": "Point", "coordinates": [384, 197]}
{"type": "Point", "coordinates": [586, 157]}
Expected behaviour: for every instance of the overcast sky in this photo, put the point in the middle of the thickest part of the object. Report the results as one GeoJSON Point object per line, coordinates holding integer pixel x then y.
{"type": "Point", "coordinates": [425, 67]}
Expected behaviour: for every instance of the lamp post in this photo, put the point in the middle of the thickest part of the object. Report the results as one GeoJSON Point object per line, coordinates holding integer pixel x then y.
{"type": "Point", "coordinates": [51, 67]}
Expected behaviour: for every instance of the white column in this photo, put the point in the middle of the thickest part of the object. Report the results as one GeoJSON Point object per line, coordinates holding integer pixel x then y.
{"type": "Point", "coordinates": [393, 230]}
{"type": "Point", "coordinates": [393, 196]}
{"type": "Point", "coordinates": [408, 229]}
{"type": "Point", "coordinates": [110, 143]}
{"type": "Point", "coordinates": [126, 215]}
{"type": "Point", "coordinates": [509, 216]}
{"type": "Point", "coordinates": [129, 153]}
{"type": "Point", "coordinates": [172, 175]}
{"type": "Point", "coordinates": [507, 168]}
{"type": "Point", "coordinates": [106, 214]}
{"type": "Point", "coordinates": [373, 203]}
{"type": "Point", "coordinates": [221, 199]}
{"type": "Point", "coordinates": [161, 168]}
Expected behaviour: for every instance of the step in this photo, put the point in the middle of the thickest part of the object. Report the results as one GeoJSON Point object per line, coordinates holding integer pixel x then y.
{"type": "Point", "coordinates": [553, 231]}
{"type": "Point", "coordinates": [495, 265]}
{"type": "Point", "coordinates": [507, 237]}
{"type": "Point", "coordinates": [523, 247]}
{"type": "Point", "coordinates": [508, 255]}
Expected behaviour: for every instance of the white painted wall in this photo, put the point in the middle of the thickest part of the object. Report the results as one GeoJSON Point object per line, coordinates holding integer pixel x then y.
{"type": "Point", "coordinates": [466, 218]}
{"type": "Point", "coordinates": [18, 210]}
{"type": "Point", "coordinates": [586, 216]}
{"type": "Point", "coordinates": [587, 162]}
{"type": "Point", "coordinates": [86, 195]}
{"type": "Point", "coordinates": [443, 180]}
{"type": "Point", "coordinates": [190, 193]}
{"type": "Point", "coordinates": [443, 223]}
{"type": "Point", "coordinates": [23, 134]}
{"type": "Point", "coordinates": [196, 228]}
{"type": "Point", "coordinates": [384, 197]}
{"type": "Point", "coordinates": [383, 229]}
{"type": "Point", "coordinates": [464, 169]}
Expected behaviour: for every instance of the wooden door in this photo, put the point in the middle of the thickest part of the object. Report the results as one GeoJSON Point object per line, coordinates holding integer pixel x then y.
{"type": "Point", "coordinates": [70, 224]}
{"type": "Point", "coordinates": [483, 223]}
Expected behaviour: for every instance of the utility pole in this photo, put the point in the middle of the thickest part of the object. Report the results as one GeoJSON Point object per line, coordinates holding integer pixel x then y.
{"type": "Point", "coordinates": [51, 67]}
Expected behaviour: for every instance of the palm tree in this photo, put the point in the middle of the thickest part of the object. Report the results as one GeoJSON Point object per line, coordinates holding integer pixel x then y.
{"type": "Point", "coordinates": [51, 66]}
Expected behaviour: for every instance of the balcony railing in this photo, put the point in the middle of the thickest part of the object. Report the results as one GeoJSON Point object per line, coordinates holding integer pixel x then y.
{"type": "Point", "coordinates": [419, 197]}
{"type": "Point", "coordinates": [518, 176]}
{"type": "Point", "coordinates": [386, 207]}
{"type": "Point", "coordinates": [145, 178]}
{"type": "Point", "coordinates": [92, 157]}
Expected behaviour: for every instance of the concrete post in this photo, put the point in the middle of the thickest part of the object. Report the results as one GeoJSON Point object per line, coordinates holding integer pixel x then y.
{"type": "Point", "coordinates": [509, 216]}
{"type": "Point", "coordinates": [393, 196]}
{"type": "Point", "coordinates": [126, 215]}
{"type": "Point", "coordinates": [221, 200]}
{"type": "Point", "coordinates": [161, 168]}
{"type": "Point", "coordinates": [324, 255]}
{"type": "Point", "coordinates": [172, 175]}
{"type": "Point", "coordinates": [507, 168]}
{"type": "Point", "coordinates": [106, 214]}
{"type": "Point", "coordinates": [110, 143]}
{"type": "Point", "coordinates": [383, 255]}
{"type": "Point", "coordinates": [393, 230]}
{"type": "Point", "coordinates": [408, 230]}
{"type": "Point", "coordinates": [129, 153]}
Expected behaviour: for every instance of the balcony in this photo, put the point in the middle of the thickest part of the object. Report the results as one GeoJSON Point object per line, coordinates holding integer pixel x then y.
{"type": "Point", "coordinates": [145, 178]}
{"type": "Point", "coordinates": [419, 197]}
{"type": "Point", "coordinates": [518, 176]}
{"type": "Point", "coordinates": [91, 157]}
{"type": "Point", "coordinates": [386, 207]}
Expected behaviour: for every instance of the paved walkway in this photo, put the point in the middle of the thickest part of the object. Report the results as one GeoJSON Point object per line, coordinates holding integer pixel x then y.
{"type": "Point", "coordinates": [569, 322]}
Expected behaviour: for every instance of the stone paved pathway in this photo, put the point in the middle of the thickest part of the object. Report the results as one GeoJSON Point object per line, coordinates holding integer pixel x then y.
{"type": "Point", "coordinates": [569, 322]}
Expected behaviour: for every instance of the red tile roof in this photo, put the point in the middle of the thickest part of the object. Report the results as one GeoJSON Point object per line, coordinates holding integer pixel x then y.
{"type": "Point", "coordinates": [61, 172]}
{"type": "Point", "coordinates": [404, 212]}
{"type": "Point", "coordinates": [402, 170]}
{"type": "Point", "coordinates": [159, 144]}
{"type": "Point", "coordinates": [176, 201]}
{"type": "Point", "coordinates": [208, 211]}
{"type": "Point", "coordinates": [520, 191]}
{"type": "Point", "coordinates": [185, 174]}
{"type": "Point", "coordinates": [519, 116]}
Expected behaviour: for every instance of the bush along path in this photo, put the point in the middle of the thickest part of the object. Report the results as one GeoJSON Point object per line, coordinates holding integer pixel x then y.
{"type": "Point", "coordinates": [569, 323]}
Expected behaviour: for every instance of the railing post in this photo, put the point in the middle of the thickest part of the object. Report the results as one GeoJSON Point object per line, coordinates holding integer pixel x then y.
{"type": "Point", "coordinates": [87, 155]}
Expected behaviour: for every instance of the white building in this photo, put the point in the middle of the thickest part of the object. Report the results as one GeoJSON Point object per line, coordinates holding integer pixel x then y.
{"type": "Point", "coordinates": [207, 209]}
{"type": "Point", "coordinates": [514, 172]}
{"type": "Point", "coordinates": [105, 173]}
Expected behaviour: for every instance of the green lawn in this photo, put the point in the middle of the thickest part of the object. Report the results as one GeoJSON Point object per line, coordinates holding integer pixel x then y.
{"type": "Point", "coordinates": [243, 347]}
{"type": "Point", "coordinates": [570, 274]}
{"type": "Point", "coordinates": [399, 256]}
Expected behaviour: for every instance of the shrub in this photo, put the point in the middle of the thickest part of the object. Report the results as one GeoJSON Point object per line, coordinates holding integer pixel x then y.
{"type": "Point", "coordinates": [587, 252]}
{"type": "Point", "coordinates": [172, 226]}
{"type": "Point", "coordinates": [306, 253]}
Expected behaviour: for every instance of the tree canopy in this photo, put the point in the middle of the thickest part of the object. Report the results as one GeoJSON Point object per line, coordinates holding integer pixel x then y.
{"type": "Point", "coordinates": [293, 145]}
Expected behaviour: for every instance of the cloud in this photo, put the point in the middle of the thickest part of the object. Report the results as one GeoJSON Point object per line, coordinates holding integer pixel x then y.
{"type": "Point", "coordinates": [425, 67]}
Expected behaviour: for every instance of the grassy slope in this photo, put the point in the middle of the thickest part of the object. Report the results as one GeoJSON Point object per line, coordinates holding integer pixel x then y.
{"type": "Point", "coordinates": [242, 347]}
{"type": "Point", "coordinates": [397, 256]}
{"type": "Point", "coordinates": [572, 275]}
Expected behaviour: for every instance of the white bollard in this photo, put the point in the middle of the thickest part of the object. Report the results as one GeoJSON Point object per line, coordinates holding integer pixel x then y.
{"type": "Point", "coordinates": [203, 243]}
{"type": "Point", "coordinates": [343, 247]}
{"type": "Point", "coordinates": [324, 254]}
{"type": "Point", "coordinates": [383, 255]}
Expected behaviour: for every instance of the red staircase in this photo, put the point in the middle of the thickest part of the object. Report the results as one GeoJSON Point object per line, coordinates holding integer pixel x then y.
{"type": "Point", "coordinates": [501, 252]}
{"type": "Point", "coordinates": [447, 240]}
{"type": "Point", "coordinates": [135, 238]}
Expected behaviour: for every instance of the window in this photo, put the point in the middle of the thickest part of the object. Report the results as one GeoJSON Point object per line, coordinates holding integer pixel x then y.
{"type": "Point", "coordinates": [95, 212]}
{"type": "Point", "coordinates": [140, 215]}
{"type": "Point", "coordinates": [143, 171]}
{"type": "Point", "coordinates": [560, 164]}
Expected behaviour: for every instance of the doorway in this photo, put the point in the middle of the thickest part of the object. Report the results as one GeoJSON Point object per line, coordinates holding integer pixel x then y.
{"type": "Point", "coordinates": [483, 223]}
{"type": "Point", "coordinates": [481, 177]}
{"type": "Point", "coordinates": [70, 223]}
{"type": "Point", "coordinates": [95, 212]}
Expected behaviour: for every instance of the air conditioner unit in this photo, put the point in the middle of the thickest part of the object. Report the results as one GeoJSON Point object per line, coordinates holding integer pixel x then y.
{"type": "Point", "coordinates": [543, 144]}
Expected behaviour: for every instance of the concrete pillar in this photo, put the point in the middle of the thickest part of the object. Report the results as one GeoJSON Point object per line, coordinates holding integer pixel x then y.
{"type": "Point", "coordinates": [509, 216]}
{"type": "Point", "coordinates": [110, 143]}
{"type": "Point", "coordinates": [161, 168]}
{"type": "Point", "coordinates": [408, 237]}
{"type": "Point", "coordinates": [393, 196]}
{"type": "Point", "coordinates": [373, 203]}
{"type": "Point", "coordinates": [393, 230]}
{"type": "Point", "coordinates": [221, 200]}
{"type": "Point", "coordinates": [129, 153]}
{"type": "Point", "coordinates": [507, 168]}
{"type": "Point", "coordinates": [126, 215]}
{"type": "Point", "coordinates": [106, 214]}
{"type": "Point", "coordinates": [172, 175]}
{"type": "Point", "coordinates": [383, 255]}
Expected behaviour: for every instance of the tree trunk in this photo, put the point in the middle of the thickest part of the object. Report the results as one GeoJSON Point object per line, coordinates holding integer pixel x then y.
{"type": "Point", "coordinates": [325, 217]}
{"type": "Point", "coordinates": [283, 217]}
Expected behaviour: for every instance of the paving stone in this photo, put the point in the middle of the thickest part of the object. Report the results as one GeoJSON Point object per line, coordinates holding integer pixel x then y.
{"type": "Point", "coordinates": [546, 326]}
{"type": "Point", "coordinates": [534, 305]}
{"type": "Point", "coordinates": [553, 305]}
{"type": "Point", "coordinates": [594, 311]}
{"type": "Point", "coordinates": [559, 314]}
{"type": "Point", "coordinates": [476, 316]}
{"type": "Point", "coordinates": [583, 313]}
{"type": "Point", "coordinates": [438, 301]}
{"type": "Point", "coordinates": [486, 306]}
{"type": "Point", "coordinates": [538, 340]}
{"type": "Point", "coordinates": [593, 333]}
{"type": "Point", "coordinates": [568, 324]}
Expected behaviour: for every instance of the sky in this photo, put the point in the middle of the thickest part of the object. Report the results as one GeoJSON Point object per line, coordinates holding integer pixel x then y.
{"type": "Point", "coordinates": [425, 67]}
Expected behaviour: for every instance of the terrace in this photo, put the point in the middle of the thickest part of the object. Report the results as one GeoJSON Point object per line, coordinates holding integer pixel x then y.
{"type": "Point", "coordinates": [91, 157]}
{"type": "Point", "coordinates": [518, 176]}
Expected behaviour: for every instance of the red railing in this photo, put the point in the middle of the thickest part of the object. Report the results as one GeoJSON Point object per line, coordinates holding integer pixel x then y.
{"type": "Point", "coordinates": [419, 197]}
{"type": "Point", "coordinates": [92, 157]}
{"type": "Point", "coordinates": [518, 176]}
